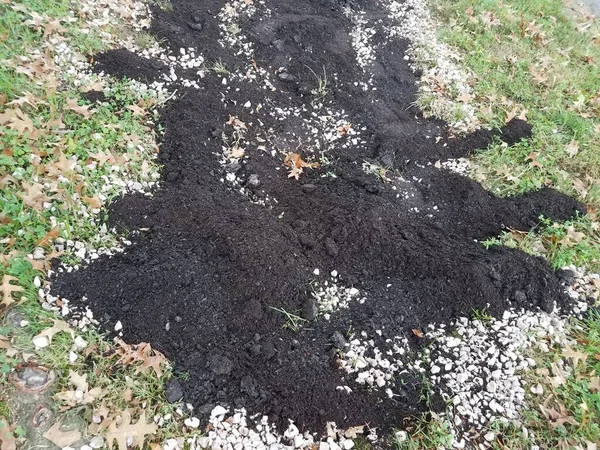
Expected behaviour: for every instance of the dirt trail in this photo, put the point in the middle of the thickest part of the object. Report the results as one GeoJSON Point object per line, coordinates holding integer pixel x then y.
{"type": "Point", "coordinates": [229, 240]}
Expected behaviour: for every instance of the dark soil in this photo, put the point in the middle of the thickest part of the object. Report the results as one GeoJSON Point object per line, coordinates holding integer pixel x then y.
{"type": "Point", "coordinates": [214, 264]}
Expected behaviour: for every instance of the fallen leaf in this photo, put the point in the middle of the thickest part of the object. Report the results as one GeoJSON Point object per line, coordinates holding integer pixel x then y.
{"type": "Point", "coordinates": [573, 148]}
{"type": "Point", "coordinates": [94, 201]}
{"type": "Point", "coordinates": [236, 123]}
{"type": "Point", "coordinates": [574, 355]}
{"type": "Point", "coordinates": [557, 418]}
{"type": "Point", "coordinates": [144, 353]}
{"type": "Point", "coordinates": [137, 111]}
{"type": "Point", "coordinates": [44, 338]}
{"type": "Point", "coordinates": [83, 110]}
{"type": "Point", "coordinates": [594, 384]}
{"type": "Point", "coordinates": [418, 333]}
{"type": "Point", "coordinates": [34, 195]}
{"type": "Point", "coordinates": [125, 430]}
{"type": "Point", "coordinates": [7, 438]}
{"type": "Point", "coordinates": [61, 438]}
{"type": "Point", "coordinates": [17, 120]}
{"type": "Point", "coordinates": [48, 238]}
{"type": "Point", "coordinates": [7, 290]}
{"type": "Point", "coordinates": [82, 395]}
{"type": "Point", "coordinates": [533, 158]}
{"type": "Point", "coordinates": [53, 27]}
{"type": "Point", "coordinates": [296, 163]}
{"type": "Point", "coordinates": [236, 152]}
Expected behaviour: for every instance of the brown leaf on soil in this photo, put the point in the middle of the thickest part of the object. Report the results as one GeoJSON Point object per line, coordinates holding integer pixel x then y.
{"type": "Point", "coordinates": [48, 237]}
{"type": "Point", "coordinates": [120, 432]}
{"type": "Point", "coordinates": [8, 289]}
{"type": "Point", "coordinates": [581, 187]}
{"type": "Point", "coordinates": [236, 123]}
{"type": "Point", "coordinates": [572, 148]}
{"type": "Point", "coordinates": [27, 99]}
{"type": "Point", "coordinates": [297, 164]}
{"type": "Point", "coordinates": [573, 355]}
{"type": "Point", "coordinates": [83, 110]}
{"type": "Point", "coordinates": [418, 333]}
{"type": "Point", "coordinates": [61, 438]}
{"type": "Point", "coordinates": [7, 438]}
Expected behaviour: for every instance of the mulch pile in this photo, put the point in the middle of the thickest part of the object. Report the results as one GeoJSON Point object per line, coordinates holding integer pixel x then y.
{"type": "Point", "coordinates": [213, 264]}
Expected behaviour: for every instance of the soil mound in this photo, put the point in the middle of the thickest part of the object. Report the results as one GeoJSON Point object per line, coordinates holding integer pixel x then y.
{"type": "Point", "coordinates": [234, 242]}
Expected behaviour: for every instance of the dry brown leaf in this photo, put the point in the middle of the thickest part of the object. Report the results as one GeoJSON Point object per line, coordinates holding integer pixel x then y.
{"type": "Point", "coordinates": [34, 195]}
{"type": "Point", "coordinates": [144, 353]}
{"type": "Point", "coordinates": [574, 355]}
{"type": "Point", "coordinates": [572, 148]}
{"type": "Point", "coordinates": [82, 395]}
{"type": "Point", "coordinates": [559, 377]}
{"type": "Point", "coordinates": [61, 438]}
{"type": "Point", "coordinates": [53, 27]}
{"type": "Point", "coordinates": [557, 418]}
{"type": "Point", "coordinates": [44, 338]}
{"type": "Point", "coordinates": [103, 158]}
{"type": "Point", "coordinates": [297, 164]}
{"type": "Point", "coordinates": [7, 438]}
{"type": "Point", "coordinates": [594, 384]}
{"type": "Point", "coordinates": [137, 111]}
{"type": "Point", "coordinates": [83, 110]}
{"type": "Point", "coordinates": [48, 238]}
{"type": "Point", "coordinates": [581, 187]}
{"type": "Point", "coordinates": [7, 290]}
{"type": "Point", "coordinates": [418, 333]}
{"type": "Point", "coordinates": [15, 119]}
{"type": "Point", "coordinates": [121, 432]}
{"type": "Point", "coordinates": [94, 201]}
{"type": "Point", "coordinates": [236, 152]}
{"type": "Point", "coordinates": [236, 123]}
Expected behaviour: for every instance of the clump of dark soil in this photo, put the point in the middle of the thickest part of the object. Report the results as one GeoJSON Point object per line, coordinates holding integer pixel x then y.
{"type": "Point", "coordinates": [202, 284]}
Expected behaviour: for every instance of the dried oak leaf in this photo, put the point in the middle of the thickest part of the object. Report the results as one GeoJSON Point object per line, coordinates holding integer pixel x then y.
{"type": "Point", "coordinates": [7, 437]}
{"type": "Point", "coordinates": [574, 355]}
{"type": "Point", "coordinates": [17, 120]}
{"type": "Point", "coordinates": [121, 432]}
{"type": "Point", "coordinates": [34, 195]}
{"type": "Point", "coordinates": [572, 148]}
{"type": "Point", "coordinates": [82, 395]}
{"type": "Point", "coordinates": [556, 418]}
{"type": "Point", "coordinates": [94, 201]}
{"type": "Point", "coordinates": [83, 110]}
{"type": "Point", "coordinates": [295, 162]}
{"type": "Point", "coordinates": [44, 338]}
{"type": "Point", "coordinates": [418, 333]}
{"type": "Point", "coordinates": [7, 290]}
{"type": "Point", "coordinates": [236, 123]}
{"type": "Point", "coordinates": [144, 353]}
{"type": "Point", "coordinates": [62, 438]}
{"type": "Point", "coordinates": [48, 238]}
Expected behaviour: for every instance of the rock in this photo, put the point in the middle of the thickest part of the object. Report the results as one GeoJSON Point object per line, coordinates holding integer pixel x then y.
{"type": "Point", "coordinates": [489, 437]}
{"type": "Point", "coordinates": [520, 297]}
{"type": "Point", "coordinates": [331, 247]}
{"type": "Point", "coordinates": [308, 188]}
{"type": "Point", "coordinates": [197, 18]}
{"type": "Point", "coordinates": [279, 44]}
{"type": "Point", "coordinates": [218, 411]}
{"type": "Point", "coordinates": [192, 422]}
{"type": "Point", "coordinates": [33, 377]}
{"type": "Point", "coordinates": [347, 444]}
{"type": "Point", "coordinates": [307, 241]}
{"type": "Point", "coordinates": [338, 340]}
{"type": "Point", "coordinates": [254, 309]}
{"type": "Point", "coordinates": [310, 310]}
{"type": "Point", "coordinates": [195, 26]}
{"type": "Point", "coordinates": [220, 364]}
{"type": "Point", "coordinates": [173, 390]}
{"type": "Point", "coordinates": [248, 386]}
{"type": "Point", "coordinates": [288, 78]}
{"type": "Point", "coordinates": [253, 180]}
{"type": "Point", "coordinates": [97, 442]}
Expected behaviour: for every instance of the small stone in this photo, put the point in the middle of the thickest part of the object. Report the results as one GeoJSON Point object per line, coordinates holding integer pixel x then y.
{"type": "Point", "coordinates": [435, 369]}
{"type": "Point", "coordinates": [173, 390]}
{"type": "Point", "coordinates": [218, 411]}
{"type": "Point", "coordinates": [308, 188]}
{"type": "Point", "coordinates": [489, 437]}
{"type": "Point", "coordinates": [195, 26]}
{"type": "Point", "coordinates": [253, 180]}
{"type": "Point", "coordinates": [118, 326]}
{"type": "Point", "coordinates": [33, 377]}
{"type": "Point", "coordinates": [338, 340]}
{"type": "Point", "coordinates": [310, 310]}
{"type": "Point", "coordinates": [192, 422]}
{"type": "Point", "coordinates": [97, 442]}
{"type": "Point", "coordinates": [347, 444]}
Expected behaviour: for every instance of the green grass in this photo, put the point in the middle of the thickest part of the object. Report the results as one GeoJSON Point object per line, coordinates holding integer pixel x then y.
{"type": "Point", "coordinates": [427, 431]}
{"type": "Point", "coordinates": [530, 55]}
